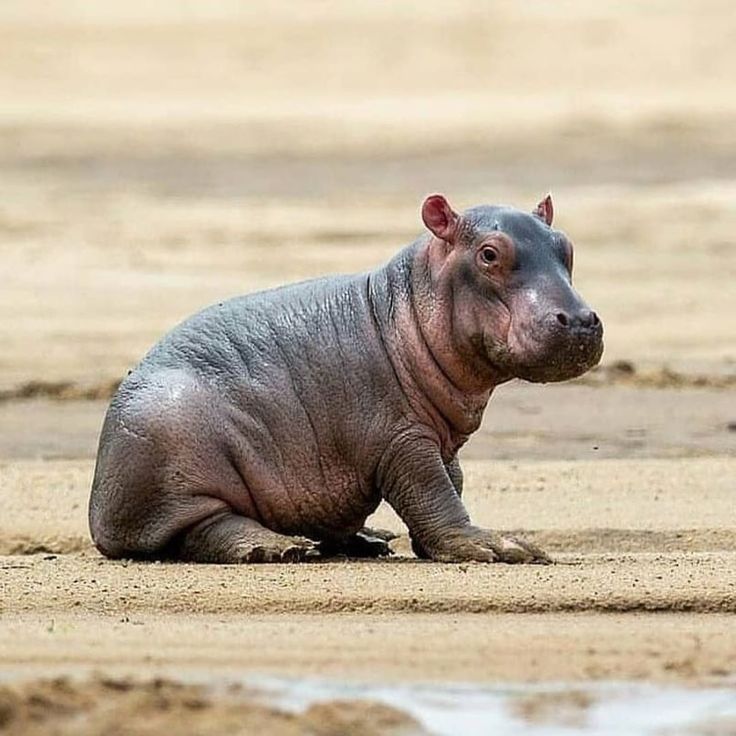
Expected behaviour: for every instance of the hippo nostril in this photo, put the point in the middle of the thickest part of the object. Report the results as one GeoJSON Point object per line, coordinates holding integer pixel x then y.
{"type": "Point", "coordinates": [588, 319]}
{"type": "Point", "coordinates": [585, 319]}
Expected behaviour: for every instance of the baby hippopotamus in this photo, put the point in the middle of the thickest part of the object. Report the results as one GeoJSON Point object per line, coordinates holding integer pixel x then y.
{"type": "Point", "coordinates": [268, 427]}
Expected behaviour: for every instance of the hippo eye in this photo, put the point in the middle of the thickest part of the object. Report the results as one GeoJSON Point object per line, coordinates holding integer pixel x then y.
{"type": "Point", "coordinates": [489, 255]}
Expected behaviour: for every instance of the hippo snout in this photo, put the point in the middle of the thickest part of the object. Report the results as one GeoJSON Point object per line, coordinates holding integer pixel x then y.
{"type": "Point", "coordinates": [573, 344]}
{"type": "Point", "coordinates": [584, 320]}
{"type": "Point", "coordinates": [561, 343]}
{"type": "Point", "coordinates": [581, 330]}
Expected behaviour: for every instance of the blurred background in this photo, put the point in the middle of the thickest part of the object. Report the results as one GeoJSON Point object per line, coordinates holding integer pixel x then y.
{"type": "Point", "coordinates": [156, 157]}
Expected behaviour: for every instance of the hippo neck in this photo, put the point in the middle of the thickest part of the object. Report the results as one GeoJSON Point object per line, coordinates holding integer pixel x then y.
{"type": "Point", "coordinates": [439, 395]}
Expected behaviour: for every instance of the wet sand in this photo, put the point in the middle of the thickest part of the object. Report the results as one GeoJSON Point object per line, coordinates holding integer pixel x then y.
{"type": "Point", "coordinates": [644, 586]}
{"type": "Point", "coordinates": [155, 160]}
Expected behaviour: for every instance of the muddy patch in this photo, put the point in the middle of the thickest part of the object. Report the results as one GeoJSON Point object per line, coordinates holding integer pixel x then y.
{"type": "Point", "coordinates": [564, 709]}
{"type": "Point", "coordinates": [313, 707]}
{"type": "Point", "coordinates": [117, 706]}
{"type": "Point", "coordinates": [626, 373]}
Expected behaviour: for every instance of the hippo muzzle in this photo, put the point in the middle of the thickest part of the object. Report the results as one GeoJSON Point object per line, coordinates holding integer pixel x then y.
{"type": "Point", "coordinates": [562, 338]}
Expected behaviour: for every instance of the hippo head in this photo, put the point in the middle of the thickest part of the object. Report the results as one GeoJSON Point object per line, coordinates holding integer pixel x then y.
{"type": "Point", "coordinates": [508, 274]}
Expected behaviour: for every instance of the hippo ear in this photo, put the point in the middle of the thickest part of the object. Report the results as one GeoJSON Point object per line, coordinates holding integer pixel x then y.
{"type": "Point", "coordinates": [545, 210]}
{"type": "Point", "coordinates": [439, 217]}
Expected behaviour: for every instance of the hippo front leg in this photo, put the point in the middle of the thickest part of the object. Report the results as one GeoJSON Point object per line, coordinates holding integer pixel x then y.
{"type": "Point", "coordinates": [418, 485]}
{"type": "Point", "coordinates": [455, 473]}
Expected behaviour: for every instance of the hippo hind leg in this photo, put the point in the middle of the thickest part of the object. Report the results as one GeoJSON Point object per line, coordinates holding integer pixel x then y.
{"type": "Point", "coordinates": [229, 538]}
{"type": "Point", "coordinates": [164, 481]}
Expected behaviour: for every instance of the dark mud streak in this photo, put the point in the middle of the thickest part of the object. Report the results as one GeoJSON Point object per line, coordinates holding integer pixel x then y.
{"type": "Point", "coordinates": [605, 602]}
{"type": "Point", "coordinates": [60, 390]}
{"type": "Point", "coordinates": [563, 541]}
{"type": "Point", "coordinates": [621, 373]}
{"type": "Point", "coordinates": [624, 373]}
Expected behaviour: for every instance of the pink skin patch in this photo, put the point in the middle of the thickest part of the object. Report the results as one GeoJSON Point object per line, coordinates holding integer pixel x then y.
{"type": "Point", "coordinates": [545, 210]}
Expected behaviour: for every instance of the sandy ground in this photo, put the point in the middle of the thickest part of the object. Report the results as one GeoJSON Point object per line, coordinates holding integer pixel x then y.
{"type": "Point", "coordinates": [645, 578]}
{"type": "Point", "coordinates": [155, 159]}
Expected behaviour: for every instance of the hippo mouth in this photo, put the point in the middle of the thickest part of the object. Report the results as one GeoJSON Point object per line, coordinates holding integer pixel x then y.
{"type": "Point", "coordinates": [547, 359]}
{"type": "Point", "coordinates": [562, 363]}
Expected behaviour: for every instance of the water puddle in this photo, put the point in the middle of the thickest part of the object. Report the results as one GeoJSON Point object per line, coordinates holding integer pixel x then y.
{"type": "Point", "coordinates": [550, 709]}
{"type": "Point", "coordinates": [634, 709]}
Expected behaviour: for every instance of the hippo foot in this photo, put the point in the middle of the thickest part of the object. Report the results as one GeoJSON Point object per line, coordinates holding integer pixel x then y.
{"type": "Point", "coordinates": [233, 539]}
{"type": "Point", "coordinates": [471, 543]}
{"type": "Point", "coordinates": [290, 549]}
{"type": "Point", "coordinates": [384, 534]}
{"type": "Point", "coordinates": [369, 543]}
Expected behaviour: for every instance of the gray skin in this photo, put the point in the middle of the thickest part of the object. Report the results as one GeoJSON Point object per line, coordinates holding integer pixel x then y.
{"type": "Point", "coordinates": [268, 427]}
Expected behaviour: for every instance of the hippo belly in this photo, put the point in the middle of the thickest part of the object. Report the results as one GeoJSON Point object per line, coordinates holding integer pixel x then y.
{"type": "Point", "coordinates": [295, 482]}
